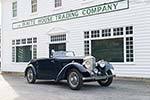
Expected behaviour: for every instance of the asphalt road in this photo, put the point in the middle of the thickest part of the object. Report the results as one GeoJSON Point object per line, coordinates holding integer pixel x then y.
{"type": "Point", "coordinates": [16, 88]}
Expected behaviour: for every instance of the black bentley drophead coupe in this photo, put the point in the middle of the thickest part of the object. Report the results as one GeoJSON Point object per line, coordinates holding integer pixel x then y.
{"type": "Point", "coordinates": [63, 65]}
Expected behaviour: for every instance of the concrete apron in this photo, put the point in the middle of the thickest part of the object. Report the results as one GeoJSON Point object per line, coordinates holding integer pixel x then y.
{"type": "Point", "coordinates": [21, 74]}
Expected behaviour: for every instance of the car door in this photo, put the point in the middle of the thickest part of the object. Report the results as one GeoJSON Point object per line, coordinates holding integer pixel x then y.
{"type": "Point", "coordinates": [47, 68]}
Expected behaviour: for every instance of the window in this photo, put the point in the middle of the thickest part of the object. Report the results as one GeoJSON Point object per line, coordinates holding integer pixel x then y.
{"type": "Point", "coordinates": [108, 49]}
{"type": "Point", "coordinates": [106, 32]}
{"type": "Point", "coordinates": [17, 42]}
{"type": "Point", "coordinates": [33, 6]}
{"type": "Point", "coordinates": [13, 54]}
{"type": "Point", "coordinates": [129, 49]}
{"type": "Point", "coordinates": [24, 50]}
{"type": "Point", "coordinates": [111, 44]}
{"type": "Point", "coordinates": [86, 48]}
{"type": "Point", "coordinates": [29, 40]}
{"type": "Point", "coordinates": [58, 3]}
{"type": "Point", "coordinates": [23, 41]}
{"type": "Point", "coordinates": [95, 33]}
{"type": "Point", "coordinates": [86, 34]}
{"type": "Point", "coordinates": [13, 42]}
{"type": "Point", "coordinates": [55, 38]}
{"type": "Point", "coordinates": [14, 9]}
{"type": "Point", "coordinates": [34, 51]}
{"type": "Point", "coordinates": [129, 30]}
{"type": "Point", "coordinates": [118, 31]}
{"type": "Point", "coordinates": [34, 40]}
{"type": "Point", "coordinates": [23, 53]}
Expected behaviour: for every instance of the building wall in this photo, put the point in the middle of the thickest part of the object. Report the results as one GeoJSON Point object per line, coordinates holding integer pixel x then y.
{"type": "Point", "coordinates": [137, 15]}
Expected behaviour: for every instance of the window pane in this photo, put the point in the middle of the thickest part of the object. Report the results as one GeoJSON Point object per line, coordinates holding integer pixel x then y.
{"type": "Point", "coordinates": [33, 6]}
{"type": "Point", "coordinates": [129, 49]}
{"type": "Point", "coordinates": [34, 51]}
{"type": "Point", "coordinates": [23, 53]}
{"type": "Point", "coordinates": [86, 48]}
{"type": "Point", "coordinates": [13, 54]}
{"type": "Point", "coordinates": [58, 3]}
{"type": "Point", "coordinates": [14, 9]}
{"type": "Point", "coordinates": [57, 47]}
{"type": "Point", "coordinates": [34, 40]}
{"type": "Point", "coordinates": [55, 38]}
{"type": "Point", "coordinates": [29, 40]}
{"type": "Point", "coordinates": [109, 50]}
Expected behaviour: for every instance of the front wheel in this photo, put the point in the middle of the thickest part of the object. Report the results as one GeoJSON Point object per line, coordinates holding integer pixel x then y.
{"type": "Point", "coordinates": [30, 76]}
{"type": "Point", "coordinates": [108, 81]}
{"type": "Point", "coordinates": [74, 79]}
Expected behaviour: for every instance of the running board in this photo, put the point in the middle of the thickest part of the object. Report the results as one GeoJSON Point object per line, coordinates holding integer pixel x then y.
{"type": "Point", "coordinates": [96, 78]}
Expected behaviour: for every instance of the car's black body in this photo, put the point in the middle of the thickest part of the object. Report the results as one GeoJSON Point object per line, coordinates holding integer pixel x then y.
{"type": "Point", "coordinates": [58, 68]}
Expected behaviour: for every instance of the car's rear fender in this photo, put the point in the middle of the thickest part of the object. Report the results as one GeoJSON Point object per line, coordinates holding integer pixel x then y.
{"type": "Point", "coordinates": [62, 74]}
{"type": "Point", "coordinates": [30, 66]}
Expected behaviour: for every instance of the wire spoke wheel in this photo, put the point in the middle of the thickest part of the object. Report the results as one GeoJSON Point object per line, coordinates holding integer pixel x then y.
{"type": "Point", "coordinates": [30, 76]}
{"type": "Point", "coordinates": [107, 81]}
{"type": "Point", "coordinates": [75, 79]}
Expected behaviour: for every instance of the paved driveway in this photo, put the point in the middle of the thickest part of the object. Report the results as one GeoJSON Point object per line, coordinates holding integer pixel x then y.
{"type": "Point", "coordinates": [16, 88]}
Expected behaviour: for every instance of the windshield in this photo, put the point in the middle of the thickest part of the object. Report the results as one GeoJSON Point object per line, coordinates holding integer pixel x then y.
{"type": "Point", "coordinates": [63, 54]}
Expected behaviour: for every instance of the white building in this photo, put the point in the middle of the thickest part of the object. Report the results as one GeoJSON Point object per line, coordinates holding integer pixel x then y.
{"type": "Point", "coordinates": [0, 48]}
{"type": "Point", "coordinates": [114, 30]}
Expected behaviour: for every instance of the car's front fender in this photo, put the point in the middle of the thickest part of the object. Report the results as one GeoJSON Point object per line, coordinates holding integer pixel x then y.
{"type": "Point", "coordinates": [65, 69]}
{"type": "Point", "coordinates": [109, 67]}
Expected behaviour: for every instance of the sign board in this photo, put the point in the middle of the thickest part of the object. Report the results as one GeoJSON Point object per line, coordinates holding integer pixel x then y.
{"type": "Point", "coordinates": [73, 14]}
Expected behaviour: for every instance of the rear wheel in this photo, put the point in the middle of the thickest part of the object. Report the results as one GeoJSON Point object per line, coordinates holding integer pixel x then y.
{"type": "Point", "coordinates": [30, 76]}
{"type": "Point", "coordinates": [74, 79]}
{"type": "Point", "coordinates": [108, 81]}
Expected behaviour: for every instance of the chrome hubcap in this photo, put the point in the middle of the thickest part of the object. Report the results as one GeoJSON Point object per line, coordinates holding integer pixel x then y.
{"type": "Point", "coordinates": [73, 79]}
{"type": "Point", "coordinates": [30, 75]}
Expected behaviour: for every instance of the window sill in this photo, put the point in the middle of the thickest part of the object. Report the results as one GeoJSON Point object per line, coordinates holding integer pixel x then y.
{"type": "Point", "coordinates": [34, 14]}
{"type": "Point", "coordinates": [123, 63]}
{"type": "Point", "coordinates": [20, 63]}
{"type": "Point", "coordinates": [58, 8]}
{"type": "Point", "coordinates": [84, 2]}
{"type": "Point", "coordinates": [14, 18]}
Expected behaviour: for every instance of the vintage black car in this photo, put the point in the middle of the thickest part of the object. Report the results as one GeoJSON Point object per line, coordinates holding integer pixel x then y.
{"type": "Point", "coordinates": [64, 65]}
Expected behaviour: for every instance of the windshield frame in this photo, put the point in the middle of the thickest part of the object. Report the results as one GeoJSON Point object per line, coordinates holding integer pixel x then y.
{"type": "Point", "coordinates": [62, 54]}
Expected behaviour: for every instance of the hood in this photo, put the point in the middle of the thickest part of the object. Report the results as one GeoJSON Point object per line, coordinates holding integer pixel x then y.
{"type": "Point", "coordinates": [70, 59]}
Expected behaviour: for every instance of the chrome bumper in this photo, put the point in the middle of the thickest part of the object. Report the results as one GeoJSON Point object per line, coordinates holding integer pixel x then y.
{"type": "Point", "coordinates": [96, 78]}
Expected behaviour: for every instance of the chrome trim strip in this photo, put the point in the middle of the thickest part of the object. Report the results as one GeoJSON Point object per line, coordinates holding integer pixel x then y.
{"type": "Point", "coordinates": [94, 78]}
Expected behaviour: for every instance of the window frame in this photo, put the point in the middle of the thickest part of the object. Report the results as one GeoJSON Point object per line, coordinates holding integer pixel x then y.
{"type": "Point", "coordinates": [14, 9]}
{"type": "Point", "coordinates": [57, 3]}
{"type": "Point", "coordinates": [34, 3]}
{"type": "Point", "coordinates": [33, 47]}
{"type": "Point", "coordinates": [124, 36]}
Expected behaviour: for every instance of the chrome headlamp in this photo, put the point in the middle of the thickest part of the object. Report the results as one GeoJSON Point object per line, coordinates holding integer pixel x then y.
{"type": "Point", "coordinates": [89, 62]}
{"type": "Point", "coordinates": [102, 63]}
{"type": "Point", "coordinates": [95, 70]}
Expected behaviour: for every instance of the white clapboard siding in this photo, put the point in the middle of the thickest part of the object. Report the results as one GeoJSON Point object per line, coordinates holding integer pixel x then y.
{"type": "Point", "coordinates": [138, 16]}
